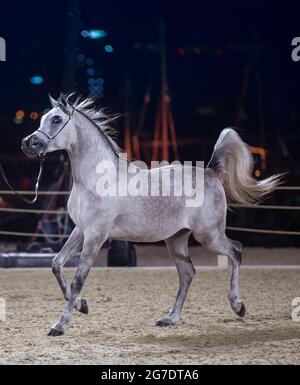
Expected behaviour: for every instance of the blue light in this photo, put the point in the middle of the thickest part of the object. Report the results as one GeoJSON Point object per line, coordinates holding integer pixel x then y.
{"type": "Point", "coordinates": [89, 62]}
{"type": "Point", "coordinates": [90, 72]}
{"type": "Point", "coordinates": [93, 89]}
{"type": "Point", "coordinates": [37, 80]}
{"type": "Point", "coordinates": [18, 121]}
{"type": "Point", "coordinates": [96, 33]}
{"type": "Point", "coordinates": [91, 81]}
{"type": "Point", "coordinates": [108, 48]}
{"type": "Point", "coordinates": [100, 81]}
{"type": "Point", "coordinates": [80, 57]}
{"type": "Point", "coordinates": [84, 33]}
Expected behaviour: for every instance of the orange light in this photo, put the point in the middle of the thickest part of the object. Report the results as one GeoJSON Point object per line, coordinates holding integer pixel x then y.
{"type": "Point", "coordinates": [34, 115]}
{"type": "Point", "coordinates": [20, 114]}
{"type": "Point", "coordinates": [262, 152]}
{"type": "Point", "coordinates": [257, 173]}
{"type": "Point", "coordinates": [3, 202]}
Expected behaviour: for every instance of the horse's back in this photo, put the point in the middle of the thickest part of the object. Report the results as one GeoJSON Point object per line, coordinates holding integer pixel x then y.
{"type": "Point", "coordinates": [153, 218]}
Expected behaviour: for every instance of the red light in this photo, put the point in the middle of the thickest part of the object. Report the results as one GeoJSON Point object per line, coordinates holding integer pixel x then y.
{"type": "Point", "coordinates": [197, 50]}
{"type": "Point", "coordinates": [34, 115]}
{"type": "Point", "coordinates": [181, 51]}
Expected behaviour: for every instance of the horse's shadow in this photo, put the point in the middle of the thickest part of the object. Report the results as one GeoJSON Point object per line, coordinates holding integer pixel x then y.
{"type": "Point", "coordinates": [225, 337]}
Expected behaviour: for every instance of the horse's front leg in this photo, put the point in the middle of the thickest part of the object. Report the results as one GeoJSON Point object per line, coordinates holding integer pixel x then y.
{"type": "Point", "coordinates": [91, 248]}
{"type": "Point", "coordinates": [72, 246]}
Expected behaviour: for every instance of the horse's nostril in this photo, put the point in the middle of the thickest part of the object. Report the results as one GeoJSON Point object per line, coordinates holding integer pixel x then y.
{"type": "Point", "coordinates": [26, 142]}
{"type": "Point", "coordinates": [34, 142]}
{"type": "Point", "coordinates": [30, 142]}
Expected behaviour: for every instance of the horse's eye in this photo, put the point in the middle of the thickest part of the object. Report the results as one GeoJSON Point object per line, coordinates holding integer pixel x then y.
{"type": "Point", "coordinates": [56, 119]}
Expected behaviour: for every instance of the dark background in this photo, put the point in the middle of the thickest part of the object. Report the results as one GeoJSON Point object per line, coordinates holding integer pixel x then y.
{"type": "Point", "coordinates": [221, 41]}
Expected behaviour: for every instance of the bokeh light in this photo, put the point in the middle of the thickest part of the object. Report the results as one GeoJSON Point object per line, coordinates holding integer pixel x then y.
{"type": "Point", "coordinates": [89, 62]}
{"type": "Point", "coordinates": [84, 33]}
{"type": "Point", "coordinates": [80, 57]}
{"type": "Point", "coordinates": [90, 72]}
{"type": "Point", "coordinates": [91, 81]}
{"type": "Point", "coordinates": [20, 114]}
{"type": "Point", "coordinates": [37, 80]}
{"type": "Point", "coordinates": [96, 33]}
{"type": "Point", "coordinates": [257, 173]}
{"type": "Point", "coordinates": [17, 120]}
{"type": "Point", "coordinates": [108, 48]}
{"type": "Point", "coordinates": [34, 115]}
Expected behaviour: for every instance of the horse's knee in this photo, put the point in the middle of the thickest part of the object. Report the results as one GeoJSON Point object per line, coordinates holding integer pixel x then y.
{"type": "Point", "coordinates": [56, 267]}
{"type": "Point", "coordinates": [77, 284]}
{"type": "Point", "coordinates": [80, 277]}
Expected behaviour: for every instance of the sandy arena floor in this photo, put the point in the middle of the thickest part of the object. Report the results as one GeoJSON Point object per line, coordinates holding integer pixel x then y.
{"type": "Point", "coordinates": [124, 304]}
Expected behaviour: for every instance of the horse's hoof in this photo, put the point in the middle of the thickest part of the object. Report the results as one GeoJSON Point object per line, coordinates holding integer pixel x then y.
{"type": "Point", "coordinates": [164, 322]}
{"type": "Point", "coordinates": [242, 311]}
{"type": "Point", "coordinates": [84, 307]}
{"type": "Point", "coordinates": [55, 333]}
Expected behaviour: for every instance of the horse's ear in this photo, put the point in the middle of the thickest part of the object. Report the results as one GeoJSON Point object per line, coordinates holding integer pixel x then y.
{"type": "Point", "coordinates": [62, 103]}
{"type": "Point", "coordinates": [61, 99]}
{"type": "Point", "coordinates": [53, 102]}
{"type": "Point", "coordinates": [68, 103]}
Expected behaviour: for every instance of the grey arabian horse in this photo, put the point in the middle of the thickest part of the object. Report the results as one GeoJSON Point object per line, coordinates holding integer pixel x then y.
{"type": "Point", "coordinates": [84, 133]}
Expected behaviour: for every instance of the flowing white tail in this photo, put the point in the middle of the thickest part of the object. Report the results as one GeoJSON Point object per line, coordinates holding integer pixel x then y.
{"type": "Point", "coordinates": [233, 161]}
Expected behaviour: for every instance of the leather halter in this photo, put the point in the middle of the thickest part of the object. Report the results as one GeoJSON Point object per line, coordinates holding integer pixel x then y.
{"type": "Point", "coordinates": [70, 115]}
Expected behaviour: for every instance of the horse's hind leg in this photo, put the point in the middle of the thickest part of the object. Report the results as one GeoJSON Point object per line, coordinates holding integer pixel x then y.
{"type": "Point", "coordinates": [234, 296]}
{"type": "Point", "coordinates": [178, 250]}
{"type": "Point", "coordinates": [71, 247]}
{"type": "Point", "coordinates": [216, 240]}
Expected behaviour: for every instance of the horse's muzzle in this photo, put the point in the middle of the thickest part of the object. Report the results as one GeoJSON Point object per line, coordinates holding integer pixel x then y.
{"type": "Point", "coordinates": [33, 146]}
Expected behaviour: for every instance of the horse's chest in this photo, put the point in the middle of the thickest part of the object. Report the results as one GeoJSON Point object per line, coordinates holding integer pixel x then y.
{"type": "Point", "coordinates": [76, 208]}
{"type": "Point", "coordinates": [84, 208]}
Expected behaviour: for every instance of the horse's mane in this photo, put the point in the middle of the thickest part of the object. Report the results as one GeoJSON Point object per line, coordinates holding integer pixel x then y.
{"type": "Point", "coordinates": [101, 119]}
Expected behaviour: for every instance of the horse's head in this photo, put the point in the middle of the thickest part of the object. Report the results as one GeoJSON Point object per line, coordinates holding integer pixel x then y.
{"type": "Point", "coordinates": [55, 131]}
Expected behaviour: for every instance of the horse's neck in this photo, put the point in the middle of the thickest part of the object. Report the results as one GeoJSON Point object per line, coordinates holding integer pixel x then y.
{"type": "Point", "coordinates": [91, 148]}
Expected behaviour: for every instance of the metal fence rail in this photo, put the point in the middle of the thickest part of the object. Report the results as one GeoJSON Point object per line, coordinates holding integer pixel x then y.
{"type": "Point", "coordinates": [8, 192]}
{"type": "Point", "coordinates": [273, 207]}
{"type": "Point", "coordinates": [262, 231]}
{"type": "Point", "coordinates": [23, 234]}
{"type": "Point", "coordinates": [32, 211]}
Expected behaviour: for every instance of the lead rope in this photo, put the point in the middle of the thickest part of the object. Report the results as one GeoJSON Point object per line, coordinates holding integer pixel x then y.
{"type": "Point", "coordinates": [24, 199]}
